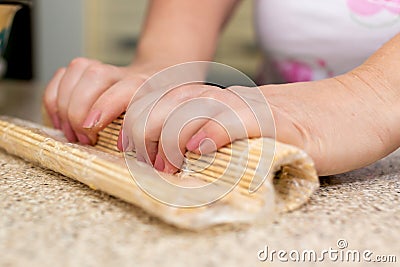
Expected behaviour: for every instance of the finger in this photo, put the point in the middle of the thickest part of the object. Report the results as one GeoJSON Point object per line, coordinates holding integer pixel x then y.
{"type": "Point", "coordinates": [135, 134]}
{"type": "Point", "coordinates": [96, 79]}
{"type": "Point", "coordinates": [144, 144]}
{"type": "Point", "coordinates": [135, 110]}
{"type": "Point", "coordinates": [72, 75]}
{"type": "Point", "coordinates": [146, 96]}
{"type": "Point", "coordinates": [50, 97]}
{"type": "Point", "coordinates": [149, 94]}
{"type": "Point", "coordinates": [109, 105]}
{"type": "Point", "coordinates": [172, 144]}
{"type": "Point", "coordinates": [147, 131]}
{"type": "Point", "coordinates": [209, 138]}
{"type": "Point", "coordinates": [227, 127]}
{"type": "Point", "coordinates": [247, 114]}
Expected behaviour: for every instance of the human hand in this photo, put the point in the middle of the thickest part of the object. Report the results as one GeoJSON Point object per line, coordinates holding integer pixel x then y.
{"type": "Point", "coordinates": [86, 96]}
{"type": "Point", "coordinates": [342, 123]}
{"type": "Point", "coordinates": [162, 126]}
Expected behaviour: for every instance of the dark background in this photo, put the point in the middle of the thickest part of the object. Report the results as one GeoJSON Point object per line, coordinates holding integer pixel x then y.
{"type": "Point", "coordinates": [18, 53]}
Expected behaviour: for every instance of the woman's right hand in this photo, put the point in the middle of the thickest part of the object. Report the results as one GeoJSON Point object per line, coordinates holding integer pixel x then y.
{"type": "Point", "coordinates": [86, 96]}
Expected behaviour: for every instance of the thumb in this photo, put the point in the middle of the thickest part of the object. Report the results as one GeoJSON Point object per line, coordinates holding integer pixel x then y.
{"type": "Point", "coordinates": [210, 137]}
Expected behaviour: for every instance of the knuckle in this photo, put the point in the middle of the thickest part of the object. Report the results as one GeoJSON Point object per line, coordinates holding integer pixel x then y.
{"type": "Point", "coordinates": [236, 88]}
{"type": "Point", "coordinates": [214, 93]}
{"type": "Point", "coordinates": [114, 69]}
{"type": "Point", "coordinates": [74, 118]}
{"type": "Point", "coordinates": [185, 92]}
{"type": "Point", "coordinates": [50, 107]}
{"type": "Point", "coordinates": [96, 71]}
{"type": "Point", "coordinates": [78, 62]}
{"type": "Point", "coordinates": [59, 71]}
{"type": "Point", "coordinates": [62, 109]}
{"type": "Point", "coordinates": [181, 92]}
{"type": "Point", "coordinates": [49, 101]}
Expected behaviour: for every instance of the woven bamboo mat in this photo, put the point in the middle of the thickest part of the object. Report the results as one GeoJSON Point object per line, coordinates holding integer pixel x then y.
{"type": "Point", "coordinates": [290, 182]}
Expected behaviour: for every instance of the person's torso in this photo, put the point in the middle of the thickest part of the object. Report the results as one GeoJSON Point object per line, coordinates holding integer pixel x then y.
{"type": "Point", "coordinates": [309, 40]}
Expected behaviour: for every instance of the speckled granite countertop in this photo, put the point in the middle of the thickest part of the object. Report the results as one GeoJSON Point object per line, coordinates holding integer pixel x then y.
{"type": "Point", "coordinates": [47, 219]}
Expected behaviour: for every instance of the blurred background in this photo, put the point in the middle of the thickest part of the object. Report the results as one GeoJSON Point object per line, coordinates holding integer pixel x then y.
{"type": "Point", "coordinates": [48, 34]}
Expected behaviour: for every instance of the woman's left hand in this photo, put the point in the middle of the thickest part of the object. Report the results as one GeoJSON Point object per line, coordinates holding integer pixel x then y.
{"type": "Point", "coordinates": [198, 118]}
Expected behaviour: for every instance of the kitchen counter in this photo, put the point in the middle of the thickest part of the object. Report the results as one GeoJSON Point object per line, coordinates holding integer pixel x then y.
{"type": "Point", "coordinates": [21, 99]}
{"type": "Point", "coordinates": [50, 220]}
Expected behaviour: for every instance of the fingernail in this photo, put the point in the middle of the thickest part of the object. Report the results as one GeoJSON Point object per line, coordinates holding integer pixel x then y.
{"type": "Point", "coordinates": [207, 146]}
{"type": "Point", "coordinates": [56, 121]}
{"type": "Point", "coordinates": [83, 139]}
{"type": "Point", "coordinates": [92, 119]}
{"type": "Point", "coordinates": [159, 164]}
{"type": "Point", "coordinates": [195, 141]}
{"type": "Point", "coordinates": [69, 134]}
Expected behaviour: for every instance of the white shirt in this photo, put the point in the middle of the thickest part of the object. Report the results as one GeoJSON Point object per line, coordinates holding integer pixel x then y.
{"type": "Point", "coordinates": [307, 40]}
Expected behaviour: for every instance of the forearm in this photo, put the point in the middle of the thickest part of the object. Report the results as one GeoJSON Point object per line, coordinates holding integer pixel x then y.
{"type": "Point", "coordinates": [345, 122]}
{"type": "Point", "coordinates": [386, 61]}
{"type": "Point", "coordinates": [176, 31]}
{"type": "Point", "coordinates": [380, 87]}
